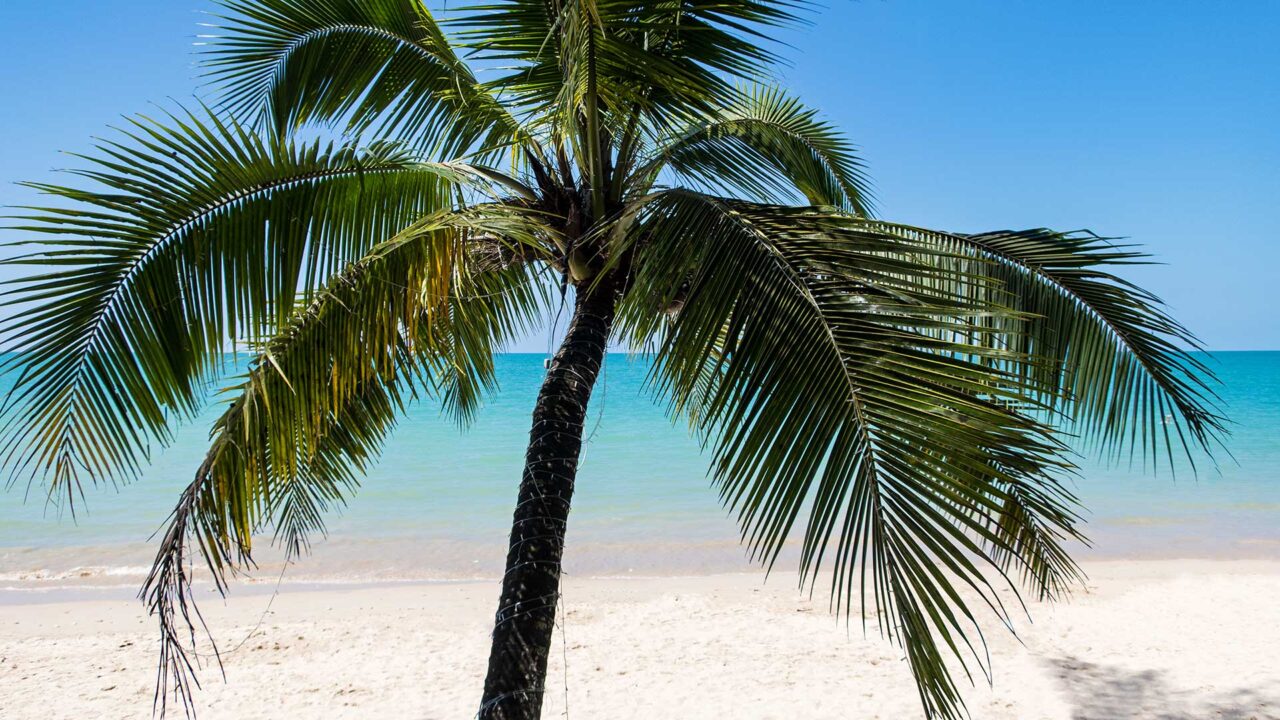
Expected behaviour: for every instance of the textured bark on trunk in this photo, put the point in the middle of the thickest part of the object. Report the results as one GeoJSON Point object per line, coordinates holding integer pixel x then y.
{"type": "Point", "coordinates": [513, 687]}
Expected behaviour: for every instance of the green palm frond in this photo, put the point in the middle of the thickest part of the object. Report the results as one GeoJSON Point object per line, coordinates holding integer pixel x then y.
{"type": "Point", "coordinates": [1032, 527]}
{"type": "Point", "coordinates": [198, 232]}
{"type": "Point", "coordinates": [769, 146]}
{"type": "Point", "coordinates": [421, 315]}
{"type": "Point", "coordinates": [670, 59]}
{"type": "Point", "coordinates": [381, 65]}
{"type": "Point", "coordinates": [1119, 367]}
{"type": "Point", "coordinates": [816, 355]}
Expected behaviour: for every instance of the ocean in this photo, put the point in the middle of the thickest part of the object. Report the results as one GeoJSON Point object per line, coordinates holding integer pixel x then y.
{"type": "Point", "coordinates": [437, 505]}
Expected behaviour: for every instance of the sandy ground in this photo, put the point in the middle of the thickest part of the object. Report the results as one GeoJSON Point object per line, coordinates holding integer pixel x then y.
{"type": "Point", "coordinates": [1173, 640]}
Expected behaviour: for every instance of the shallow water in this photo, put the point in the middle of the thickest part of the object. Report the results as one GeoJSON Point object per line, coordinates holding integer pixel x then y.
{"type": "Point", "coordinates": [438, 504]}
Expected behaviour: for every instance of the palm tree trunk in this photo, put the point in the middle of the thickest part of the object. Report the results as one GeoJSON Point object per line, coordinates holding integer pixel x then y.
{"type": "Point", "coordinates": [513, 688]}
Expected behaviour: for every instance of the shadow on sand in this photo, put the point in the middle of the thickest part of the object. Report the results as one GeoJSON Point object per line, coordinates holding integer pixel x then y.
{"type": "Point", "coordinates": [1102, 692]}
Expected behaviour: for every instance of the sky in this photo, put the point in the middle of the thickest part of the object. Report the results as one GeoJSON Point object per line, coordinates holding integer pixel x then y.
{"type": "Point", "coordinates": [1159, 126]}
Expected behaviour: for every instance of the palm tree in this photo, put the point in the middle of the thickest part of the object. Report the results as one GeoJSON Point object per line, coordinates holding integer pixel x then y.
{"type": "Point", "coordinates": [373, 222]}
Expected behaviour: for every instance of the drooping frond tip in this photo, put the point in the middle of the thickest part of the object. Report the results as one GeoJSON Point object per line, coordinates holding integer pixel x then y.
{"type": "Point", "coordinates": [141, 278]}
{"type": "Point", "coordinates": [421, 314]}
{"type": "Point", "coordinates": [890, 390]}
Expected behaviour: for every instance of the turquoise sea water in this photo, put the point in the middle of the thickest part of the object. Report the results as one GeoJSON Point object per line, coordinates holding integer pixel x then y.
{"type": "Point", "coordinates": [438, 503]}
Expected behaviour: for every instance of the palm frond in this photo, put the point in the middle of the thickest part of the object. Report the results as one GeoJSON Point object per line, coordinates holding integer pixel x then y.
{"type": "Point", "coordinates": [380, 65]}
{"type": "Point", "coordinates": [670, 59]}
{"type": "Point", "coordinates": [827, 365]}
{"type": "Point", "coordinates": [193, 232]}
{"type": "Point", "coordinates": [768, 145]}
{"type": "Point", "coordinates": [420, 315]}
{"type": "Point", "coordinates": [1119, 367]}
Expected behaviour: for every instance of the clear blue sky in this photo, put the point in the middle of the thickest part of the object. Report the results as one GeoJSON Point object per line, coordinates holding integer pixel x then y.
{"type": "Point", "coordinates": [1156, 121]}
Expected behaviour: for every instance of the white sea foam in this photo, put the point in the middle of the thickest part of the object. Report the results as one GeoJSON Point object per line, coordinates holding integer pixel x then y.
{"type": "Point", "coordinates": [83, 572]}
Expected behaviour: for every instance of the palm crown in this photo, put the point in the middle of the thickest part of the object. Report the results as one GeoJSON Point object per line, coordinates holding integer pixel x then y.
{"type": "Point", "coordinates": [893, 396]}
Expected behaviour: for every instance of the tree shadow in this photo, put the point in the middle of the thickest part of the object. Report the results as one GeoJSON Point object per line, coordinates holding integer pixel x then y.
{"type": "Point", "coordinates": [1102, 692]}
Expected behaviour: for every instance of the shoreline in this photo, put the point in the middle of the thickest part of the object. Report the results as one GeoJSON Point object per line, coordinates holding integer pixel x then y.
{"type": "Point", "coordinates": [1147, 639]}
{"type": "Point", "coordinates": [363, 561]}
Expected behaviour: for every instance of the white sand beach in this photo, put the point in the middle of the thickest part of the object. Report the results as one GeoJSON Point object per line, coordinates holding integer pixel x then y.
{"type": "Point", "coordinates": [1167, 640]}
